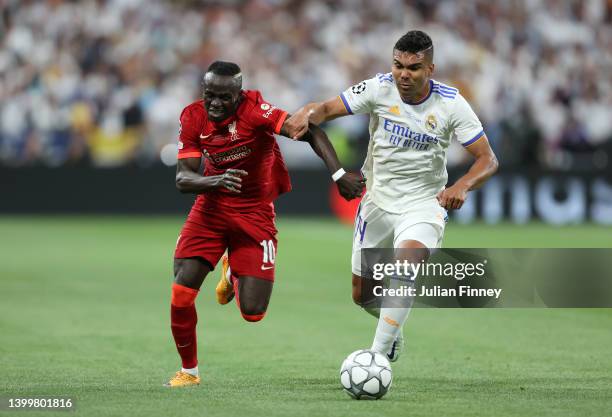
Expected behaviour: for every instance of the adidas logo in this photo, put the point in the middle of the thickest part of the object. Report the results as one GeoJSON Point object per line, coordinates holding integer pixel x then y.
{"type": "Point", "coordinates": [395, 110]}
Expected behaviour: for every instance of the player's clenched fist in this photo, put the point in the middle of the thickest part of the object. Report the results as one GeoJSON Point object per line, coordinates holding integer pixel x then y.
{"type": "Point", "coordinates": [231, 180]}
{"type": "Point", "coordinates": [297, 125]}
{"type": "Point", "coordinates": [453, 197]}
{"type": "Point", "coordinates": [350, 185]}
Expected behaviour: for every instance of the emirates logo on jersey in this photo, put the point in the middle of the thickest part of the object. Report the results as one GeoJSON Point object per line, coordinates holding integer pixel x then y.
{"type": "Point", "coordinates": [401, 135]}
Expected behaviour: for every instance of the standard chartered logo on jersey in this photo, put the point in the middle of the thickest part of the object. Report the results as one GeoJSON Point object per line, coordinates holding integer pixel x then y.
{"type": "Point", "coordinates": [402, 136]}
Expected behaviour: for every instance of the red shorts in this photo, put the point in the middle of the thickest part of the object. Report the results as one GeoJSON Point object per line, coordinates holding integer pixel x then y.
{"type": "Point", "coordinates": [250, 239]}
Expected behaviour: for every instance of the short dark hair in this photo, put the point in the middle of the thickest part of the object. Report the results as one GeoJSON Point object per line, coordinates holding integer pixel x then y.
{"type": "Point", "coordinates": [415, 41]}
{"type": "Point", "coordinates": [224, 68]}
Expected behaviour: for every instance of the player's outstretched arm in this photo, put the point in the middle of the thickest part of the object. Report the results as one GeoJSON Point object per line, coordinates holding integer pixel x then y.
{"type": "Point", "coordinates": [350, 184]}
{"type": "Point", "coordinates": [188, 180]}
{"type": "Point", "coordinates": [317, 113]}
{"type": "Point", "coordinates": [483, 167]}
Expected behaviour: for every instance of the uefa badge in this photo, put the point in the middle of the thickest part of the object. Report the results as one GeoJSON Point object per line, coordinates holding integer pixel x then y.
{"type": "Point", "coordinates": [359, 88]}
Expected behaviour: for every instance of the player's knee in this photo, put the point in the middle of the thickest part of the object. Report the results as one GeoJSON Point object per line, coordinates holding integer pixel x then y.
{"type": "Point", "coordinates": [252, 312]}
{"type": "Point", "coordinates": [253, 318]}
{"type": "Point", "coordinates": [357, 284]}
{"type": "Point", "coordinates": [363, 292]}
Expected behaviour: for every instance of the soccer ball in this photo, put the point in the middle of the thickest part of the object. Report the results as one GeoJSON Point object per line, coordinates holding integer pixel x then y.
{"type": "Point", "coordinates": [365, 375]}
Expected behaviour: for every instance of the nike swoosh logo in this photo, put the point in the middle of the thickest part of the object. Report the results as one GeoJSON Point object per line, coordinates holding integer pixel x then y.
{"type": "Point", "coordinates": [390, 355]}
{"type": "Point", "coordinates": [183, 345]}
{"type": "Point", "coordinates": [263, 268]}
{"type": "Point", "coordinates": [204, 137]}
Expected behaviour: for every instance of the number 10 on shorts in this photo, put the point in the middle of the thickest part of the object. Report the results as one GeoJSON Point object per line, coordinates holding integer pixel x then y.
{"type": "Point", "coordinates": [269, 251]}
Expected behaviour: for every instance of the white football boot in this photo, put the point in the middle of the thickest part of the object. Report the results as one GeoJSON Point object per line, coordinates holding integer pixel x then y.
{"type": "Point", "coordinates": [396, 348]}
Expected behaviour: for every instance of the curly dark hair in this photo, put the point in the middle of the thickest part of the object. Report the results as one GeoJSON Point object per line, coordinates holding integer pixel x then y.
{"type": "Point", "coordinates": [415, 41]}
{"type": "Point", "coordinates": [223, 68]}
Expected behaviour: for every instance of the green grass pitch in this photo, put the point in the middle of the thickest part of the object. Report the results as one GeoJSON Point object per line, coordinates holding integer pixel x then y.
{"type": "Point", "coordinates": [84, 312]}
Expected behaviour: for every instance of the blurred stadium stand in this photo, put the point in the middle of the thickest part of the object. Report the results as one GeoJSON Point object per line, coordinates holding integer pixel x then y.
{"type": "Point", "coordinates": [100, 84]}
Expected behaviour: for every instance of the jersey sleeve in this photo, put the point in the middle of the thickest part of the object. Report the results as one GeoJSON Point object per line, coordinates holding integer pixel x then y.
{"type": "Point", "coordinates": [267, 116]}
{"type": "Point", "coordinates": [188, 139]}
{"type": "Point", "coordinates": [361, 98]}
{"type": "Point", "coordinates": [467, 127]}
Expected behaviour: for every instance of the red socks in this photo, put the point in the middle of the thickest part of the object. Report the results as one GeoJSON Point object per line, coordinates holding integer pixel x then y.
{"type": "Point", "coordinates": [183, 320]}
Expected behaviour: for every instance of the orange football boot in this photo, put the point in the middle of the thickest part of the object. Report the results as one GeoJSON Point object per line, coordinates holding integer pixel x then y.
{"type": "Point", "coordinates": [225, 289]}
{"type": "Point", "coordinates": [182, 379]}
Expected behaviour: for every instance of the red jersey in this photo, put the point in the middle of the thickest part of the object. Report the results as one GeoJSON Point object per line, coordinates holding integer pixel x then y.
{"type": "Point", "coordinates": [243, 141]}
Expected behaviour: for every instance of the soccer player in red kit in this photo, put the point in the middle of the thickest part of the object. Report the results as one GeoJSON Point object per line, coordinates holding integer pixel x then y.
{"type": "Point", "coordinates": [233, 129]}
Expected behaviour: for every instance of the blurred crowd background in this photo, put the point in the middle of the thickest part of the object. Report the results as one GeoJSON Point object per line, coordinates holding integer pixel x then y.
{"type": "Point", "coordinates": [103, 82]}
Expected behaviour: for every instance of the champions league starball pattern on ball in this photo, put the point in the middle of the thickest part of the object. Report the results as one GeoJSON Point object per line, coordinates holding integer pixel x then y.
{"type": "Point", "coordinates": [365, 375]}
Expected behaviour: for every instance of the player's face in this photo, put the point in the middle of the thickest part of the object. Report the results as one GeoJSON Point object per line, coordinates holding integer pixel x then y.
{"type": "Point", "coordinates": [411, 73]}
{"type": "Point", "coordinates": [221, 96]}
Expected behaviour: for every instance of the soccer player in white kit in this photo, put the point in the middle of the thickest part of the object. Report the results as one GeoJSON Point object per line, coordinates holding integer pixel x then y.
{"type": "Point", "coordinates": [413, 118]}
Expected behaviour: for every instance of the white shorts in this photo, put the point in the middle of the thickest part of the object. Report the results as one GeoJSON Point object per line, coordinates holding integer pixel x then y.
{"type": "Point", "coordinates": [377, 228]}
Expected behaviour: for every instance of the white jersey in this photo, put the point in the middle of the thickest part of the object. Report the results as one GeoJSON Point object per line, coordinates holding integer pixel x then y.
{"type": "Point", "coordinates": [406, 160]}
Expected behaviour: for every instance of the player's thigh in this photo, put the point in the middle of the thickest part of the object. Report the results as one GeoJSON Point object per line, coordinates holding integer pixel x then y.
{"type": "Point", "coordinates": [200, 245]}
{"type": "Point", "coordinates": [424, 223]}
{"type": "Point", "coordinates": [373, 229]}
{"type": "Point", "coordinates": [416, 242]}
{"type": "Point", "coordinates": [254, 294]}
{"type": "Point", "coordinates": [190, 272]}
{"type": "Point", "coordinates": [252, 246]}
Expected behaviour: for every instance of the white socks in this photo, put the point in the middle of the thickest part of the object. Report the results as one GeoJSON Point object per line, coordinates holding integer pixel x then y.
{"type": "Point", "coordinates": [393, 314]}
{"type": "Point", "coordinates": [191, 371]}
{"type": "Point", "coordinates": [390, 325]}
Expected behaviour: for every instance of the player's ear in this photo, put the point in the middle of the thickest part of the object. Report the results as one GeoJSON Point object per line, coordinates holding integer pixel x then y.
{"type": "Point", "coordinates": [237, 97]}
{"type": "Point", "coordinates": [431, 68]}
